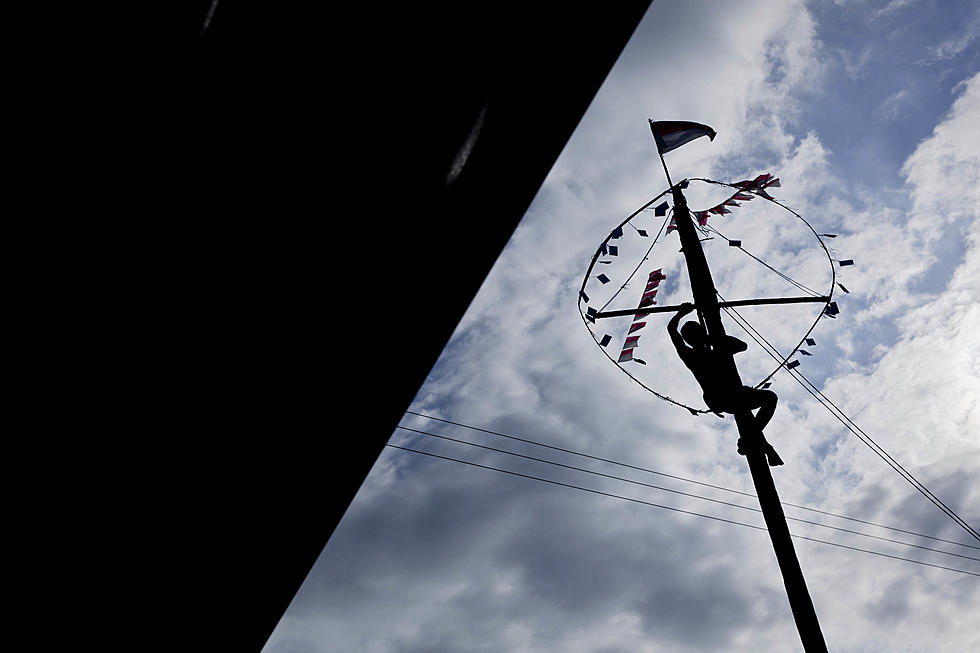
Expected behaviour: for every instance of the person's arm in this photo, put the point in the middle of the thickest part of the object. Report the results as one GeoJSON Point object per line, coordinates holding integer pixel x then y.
{"type": "Point", "coordinates": [675, 337]}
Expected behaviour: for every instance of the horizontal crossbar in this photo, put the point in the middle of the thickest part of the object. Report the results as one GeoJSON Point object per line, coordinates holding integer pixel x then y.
{"type": "Point", "coordinates": [737, 302]}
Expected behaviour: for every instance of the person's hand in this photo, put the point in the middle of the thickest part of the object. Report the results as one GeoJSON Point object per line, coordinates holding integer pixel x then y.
{"type": "Point", "coordinates": [686, 308]}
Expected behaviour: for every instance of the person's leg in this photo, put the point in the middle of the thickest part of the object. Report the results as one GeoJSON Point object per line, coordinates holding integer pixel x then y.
{"type": "Point", "coordinates": [764, 400]}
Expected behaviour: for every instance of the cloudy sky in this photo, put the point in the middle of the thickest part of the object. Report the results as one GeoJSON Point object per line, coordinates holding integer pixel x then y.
{"type": "Point", "coordinates": [869, 113]}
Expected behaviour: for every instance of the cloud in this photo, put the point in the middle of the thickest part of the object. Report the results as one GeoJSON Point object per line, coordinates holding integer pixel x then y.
{"type": "Point", "coordinates": [439, 556]}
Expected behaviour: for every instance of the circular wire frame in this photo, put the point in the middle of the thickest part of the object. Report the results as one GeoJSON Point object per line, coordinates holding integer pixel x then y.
{"type": "Point", "coordinates": [657, 240]}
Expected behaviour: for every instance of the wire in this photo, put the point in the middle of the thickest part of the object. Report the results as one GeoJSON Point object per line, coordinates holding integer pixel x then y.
{"type": "Point", "coordinates": [854, 428]}
{"type": "Point", "coordinates": [687, 494]}
{"type": "Point", "coordinates": [675, 477]}
{"type": "Point", "coordinates": [680, 510]}
{"type": "Point", "coordinates": [781, 274]}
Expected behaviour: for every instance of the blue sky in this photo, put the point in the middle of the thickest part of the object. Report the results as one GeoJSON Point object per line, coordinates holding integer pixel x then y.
{"type": "Point", "coordinates": [869, 112]}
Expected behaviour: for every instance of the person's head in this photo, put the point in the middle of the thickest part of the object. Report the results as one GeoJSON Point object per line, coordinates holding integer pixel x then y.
{"type": "Point", "coordinates": [693, 334]}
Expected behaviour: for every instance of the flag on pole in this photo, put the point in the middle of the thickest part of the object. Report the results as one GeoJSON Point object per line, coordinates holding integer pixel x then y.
{"type": "Point", "coordinates": [671, 134]}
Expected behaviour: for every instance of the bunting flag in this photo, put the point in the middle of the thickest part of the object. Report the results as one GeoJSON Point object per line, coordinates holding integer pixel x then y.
{"type": "Point", "coordinates": [766, 385]}
{"type": "Point", "coordinates": [582, 294]}
{"type": "Point", "coordinates": [747, 187]}
{"type": "Point", "coordinates": [603, 279]}
{"type": "Point", "coordinates": [811, 342]}
{"type": "Point", "coordinates": [831, 310]}
{"type": "Point", "coordinates": [613, 250]}
{"type": "Point", "coordinates": [671, 134]}
{"type": "Point", "coordinates": [734, 243]}
{"type": "Point", "coordinates": [790, 365]}
{"type": "Point", "coordinates": [805, 352]}
{"type": "Point", "coordinates": [846, 262]}
{"type": "Point", "coordinates": [660, 210]}
{"type": "Point", "coordinates": [647, 299]}
{"type": "Point", "coordinates": [617, 233]}
{"type": "Point", "coordinates": [605, 340]}
{"type": "Point", "coordinates": [843, 288]}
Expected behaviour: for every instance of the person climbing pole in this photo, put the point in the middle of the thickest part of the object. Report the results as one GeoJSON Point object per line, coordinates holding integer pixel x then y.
{"type": "Point", "coordinates": [704, 362]}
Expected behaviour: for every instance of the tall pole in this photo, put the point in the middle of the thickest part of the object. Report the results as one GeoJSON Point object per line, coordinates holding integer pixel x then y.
{"type": "Point", "coordinates": [706, 300]}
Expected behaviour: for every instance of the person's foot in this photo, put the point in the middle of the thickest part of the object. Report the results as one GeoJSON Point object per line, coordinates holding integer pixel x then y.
{"type": "Point", "coordinates": [772, 456]}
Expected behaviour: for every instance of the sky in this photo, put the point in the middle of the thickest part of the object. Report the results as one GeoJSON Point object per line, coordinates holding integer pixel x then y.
{"type": "Point", "coordinates": [869, 113]}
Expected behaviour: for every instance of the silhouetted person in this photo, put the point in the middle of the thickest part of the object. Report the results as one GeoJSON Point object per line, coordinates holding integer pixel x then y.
{"type": "Point", "coordinates": [704, 362]}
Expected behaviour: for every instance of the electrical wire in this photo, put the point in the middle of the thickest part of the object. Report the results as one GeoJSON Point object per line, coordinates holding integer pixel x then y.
{"type": "Point", "coordinates": [852, 426]}
{"type": "Point", "coordinates": [671, 508]}
{"type": "Point", "coordinates": [678, 478]}
{"type": "Point", "coordinates": [687, 494]}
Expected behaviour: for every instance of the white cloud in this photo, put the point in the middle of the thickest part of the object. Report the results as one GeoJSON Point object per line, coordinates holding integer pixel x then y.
{"type": "Point", "coordinates": [442, 557]}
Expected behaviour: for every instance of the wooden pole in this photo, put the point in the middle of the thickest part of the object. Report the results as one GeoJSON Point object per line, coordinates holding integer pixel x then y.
{"type": "Point", "coordinates": [706, 299]}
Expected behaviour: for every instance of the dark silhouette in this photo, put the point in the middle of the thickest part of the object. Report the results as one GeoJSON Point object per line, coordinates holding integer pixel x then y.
{"type": "Point", "coordinates": [693, 348]}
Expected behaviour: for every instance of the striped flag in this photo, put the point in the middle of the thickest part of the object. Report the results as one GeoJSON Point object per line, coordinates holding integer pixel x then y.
{"type": "Point", "coordinates": [671, 134]}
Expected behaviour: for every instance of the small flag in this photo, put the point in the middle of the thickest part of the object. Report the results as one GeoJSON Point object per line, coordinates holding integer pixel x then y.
{"type": "Point", "coordinates": [790, 365]}
{"type": "Point", "coordinates": [626, 355]}
{"type": "Point", "coordinates": [843, 288]}
{"type": "Point", "coordinates": [831, 310]}
{"type": "Point", "coordinates": [652, 285]}
{"type": "Point", "coordinates": [774, 183]}
{"type": "Point", "coordinates": [605, 340]}
{"type": "Point", "coordinates": [603, 249]}
{"type": "Point", "coordinates": [649, 295]}
{"type": "Point", "coordinates": [661, 209]}
{"type": "Point", "coordinates": [613, 250]}
{"type": "Point", "coordinates": [656, 274]}
{"type": "Point", "coordinates": [603, 278]}
{"type": "Point", "coordinates": [805, 352]}
{"type": "Point", "coordinates": [647, 302]}
{"type": "Point", "coordinates": [731, 202]}
{"type": "Point", "coordinates": [672, 226]}
{"type": "Point", "coordinates": [671, 134]}
{"type": "Point", "coordinates": [683, 183]}
{"type": "Point", "coordinates": [617, 233]}
{"type": "Point", "coordinates": [631, 342]}
{"type": "Point", "coordinates": [741, 196]}
{"type": "Point", "coordinates": [829, 235]}
{"type": "Point", "coordinates": [642, 232]}
{"type": "Point", "coordinates": [693, 412]}
{"type": "Point", "coordinates": [636, 326]}
{"type": "Point", "coordinates": [811, 342]}
{"type": "Point", "coordinates": [734, 243]}
{"type": "Point", "coordinates": [759, 191]}
{"type": "Point", "coordinates": [766, 385]}
{"type": "Point", "coordinates": [846, 262]}
{"type": "Point", "coordinates": [582, 294]}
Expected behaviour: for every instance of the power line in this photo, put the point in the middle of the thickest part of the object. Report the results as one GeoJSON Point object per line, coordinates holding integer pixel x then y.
{"type": "Point", "coordinates": [677, 478]}
{"type": "Point", "coordinates": [680, 510]}
{"type": "Point", "coordinates": [850, 425]}
{"type": "Point", "coordinates": [687, 494]}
